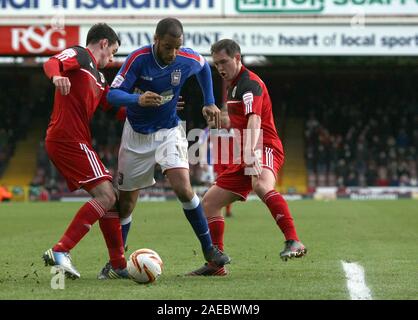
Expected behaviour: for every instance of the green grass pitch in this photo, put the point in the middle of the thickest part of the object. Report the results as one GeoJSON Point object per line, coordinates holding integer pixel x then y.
{"type": "Point", "coordinates": [382, 236]}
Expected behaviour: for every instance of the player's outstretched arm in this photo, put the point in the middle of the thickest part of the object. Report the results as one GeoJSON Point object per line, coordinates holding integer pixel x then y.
{"type": "Point", "coordinates": [52, 71]}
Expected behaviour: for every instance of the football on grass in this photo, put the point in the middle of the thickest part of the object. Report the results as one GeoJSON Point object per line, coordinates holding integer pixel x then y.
{"type": "Point", "coordinates": [144, 265]}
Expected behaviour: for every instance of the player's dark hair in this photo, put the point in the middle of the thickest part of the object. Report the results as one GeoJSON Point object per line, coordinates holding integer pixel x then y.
{"type": "Point", "coordinates": [170, 26]}
{"type": "Point", "coordinates": [230, 46]}
{"type": "Point", "coordinates": [102, 31]}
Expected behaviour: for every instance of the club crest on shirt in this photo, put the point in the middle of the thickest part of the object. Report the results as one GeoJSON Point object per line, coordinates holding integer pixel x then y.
{"type": "Point", "coordinates": [175, 77]}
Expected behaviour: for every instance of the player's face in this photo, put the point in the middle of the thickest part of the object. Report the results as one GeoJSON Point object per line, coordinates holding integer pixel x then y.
{"type": "Point", "coordinates": [107, 53]}
{"type": "Point", "coordinates": [227, 67]}
{"type": "Point", "coordinates": [167, 48]}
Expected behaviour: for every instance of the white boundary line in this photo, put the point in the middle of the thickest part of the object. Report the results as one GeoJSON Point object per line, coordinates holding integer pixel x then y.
{"type": "Point", "coordinates": [356, 282]}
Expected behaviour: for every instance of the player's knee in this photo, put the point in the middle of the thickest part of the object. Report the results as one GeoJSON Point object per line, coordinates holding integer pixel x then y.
{"type": "Point", "coordinates": [107, 199]}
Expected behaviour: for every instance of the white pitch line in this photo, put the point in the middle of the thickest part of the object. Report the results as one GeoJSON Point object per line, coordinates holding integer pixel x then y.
{"type": "Point", "coordinates": [356, 283]}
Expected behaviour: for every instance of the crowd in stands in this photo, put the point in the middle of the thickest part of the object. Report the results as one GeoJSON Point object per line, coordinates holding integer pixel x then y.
{"type": "Point", "coordinates": [365, 135]}
{"type": "Point", "coordinates": [16, 110]}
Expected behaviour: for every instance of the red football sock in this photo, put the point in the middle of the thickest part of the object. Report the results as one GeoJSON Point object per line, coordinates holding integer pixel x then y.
{"type": "Point", "coordinates": [86, 216]}
{"type": "Point", "coordinates": [217, 227]}
{"type": "Point", "coordinates": [112, 233]}
{"type": "Point", "coordinates": [281, 214]}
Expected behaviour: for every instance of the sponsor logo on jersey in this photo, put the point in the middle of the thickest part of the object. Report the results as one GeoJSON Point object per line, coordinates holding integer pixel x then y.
{"type": "Point", "coordinates": [175, 77]}
{"type": "Point", "coordinates": [147, 78]}
{"type": "Point", "coordinates": [117, 82]}
{"type": "Point", "coordinates": [167, 96]}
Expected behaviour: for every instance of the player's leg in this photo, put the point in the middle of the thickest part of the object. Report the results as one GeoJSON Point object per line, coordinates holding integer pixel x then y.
{"type": "Point", "coordinates": [82, 169]}
{"type": "Point", "coordinates": [218, 169]}
{"type": "Point", "coordinates": [136, 162]}
{"type": "Point", "coordinates": [213, 201]}
{"type": "Point", "coordinates": [171, 155]}
{"type": "Point", "coordinates": [111, 230]}
{"type": "Point", "coordinates": [263, 186]}
{"type": "Point", "coordinates": [127, 203]}
{"type": "Point", "coordinates": [230, 186]}
{"type": "Point", "coordinates": [179, 179]}
{"type": "Point", "coordinates": [113, 226]}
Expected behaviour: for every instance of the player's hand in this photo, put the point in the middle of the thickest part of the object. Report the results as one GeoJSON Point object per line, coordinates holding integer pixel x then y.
{"type": "Point", "coordinates": [252, 164]}
{"type": "Point", "coordinates": [212, 114]}
{"type": "Point", "coordinates": [180, 104]}
{"type": "Point", "coordinates": [150, 99]}
{"type": "Point", "coordinates": [63, 84]}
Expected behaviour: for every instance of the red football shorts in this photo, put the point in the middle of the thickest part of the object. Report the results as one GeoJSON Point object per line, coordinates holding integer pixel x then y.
{"type": "Point", "coordinates": [219, 168]}
{"type": "Point", "coordinates": [78, 163]}
{"type": "Point", "coordinates": [236, 181]}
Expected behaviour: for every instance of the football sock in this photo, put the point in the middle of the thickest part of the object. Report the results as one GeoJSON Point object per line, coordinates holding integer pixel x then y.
{"type": "Point", "coordinates": [111, 229]}
{"type": "Point", "coordinates": [126, 225]}
{"type": "Point", "coordinates": [194, 213]}
{"type": "Point", "coordinates": [86, 216]}
{"type": "Point", "coordinates": [217, 227]}
{"type": "Point", "coordinates": [281, 214]}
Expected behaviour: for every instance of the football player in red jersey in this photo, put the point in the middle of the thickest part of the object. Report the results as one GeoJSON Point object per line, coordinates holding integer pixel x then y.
{"type": "Point", "coordinates": [80, 89]}
{"type": "Point", "coordinates": [261, 157]}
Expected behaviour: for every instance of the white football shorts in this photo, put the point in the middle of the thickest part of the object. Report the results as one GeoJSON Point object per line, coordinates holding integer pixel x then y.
{"type": "Point", "coordinates": [138, 154]}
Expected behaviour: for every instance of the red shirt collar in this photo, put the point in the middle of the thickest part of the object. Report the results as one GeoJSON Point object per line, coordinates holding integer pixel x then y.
{"type": "Point", "coordinates": [233, 82]}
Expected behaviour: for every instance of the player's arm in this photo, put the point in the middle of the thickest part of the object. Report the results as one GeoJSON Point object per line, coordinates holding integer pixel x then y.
{"type": "Point", "coordinates": [118, 111]}
{"type": "Point", "coordinates": [210, 111]}
{"type": "Point", "coordinates": [61, 62]}
{"type": "Point", "coordinates": [121, 91]}
{"type": "Point", "coordinates": [251, 136]}
{"type": "Point", "coordinates": [252, 103]}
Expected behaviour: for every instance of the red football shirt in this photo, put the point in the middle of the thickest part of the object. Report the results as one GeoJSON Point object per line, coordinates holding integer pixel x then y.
{"type": "Point", "coordinates": [72, 113]}
{"type": "Point", "coordinates": [248, 95]}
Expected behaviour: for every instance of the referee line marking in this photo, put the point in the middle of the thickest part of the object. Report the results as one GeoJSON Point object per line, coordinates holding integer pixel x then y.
{"type": "Point", "coordinates": [356, 282]}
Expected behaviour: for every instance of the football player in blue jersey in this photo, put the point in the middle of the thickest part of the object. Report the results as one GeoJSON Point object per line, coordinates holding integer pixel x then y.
{"type": "Point", "coordinates": [149, 84]}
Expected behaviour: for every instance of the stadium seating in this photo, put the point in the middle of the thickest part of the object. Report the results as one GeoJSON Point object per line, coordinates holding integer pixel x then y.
{"type": "Point", "coordinates": [354, 140]}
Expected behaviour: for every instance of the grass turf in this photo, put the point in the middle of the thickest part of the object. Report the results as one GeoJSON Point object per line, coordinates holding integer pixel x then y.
{"type": "Point", "coordinates": [382, 236]}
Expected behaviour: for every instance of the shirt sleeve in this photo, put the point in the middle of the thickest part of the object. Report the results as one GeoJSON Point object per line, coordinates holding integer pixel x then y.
{"type": "Point", "coordinates": [204, 77]}
{"type": "Point", "coordinates": [252, 100]}
{"type": "Point", "coordinates": [122, 86]}
{"type": "Point", "coordinates": [69, 59]}
{"type": "Point", "coordinates": [128, 73]}
{"type": "Point", "coordinates": [61, 62]}
{"type": "Point", "coordinates": [118, 112]}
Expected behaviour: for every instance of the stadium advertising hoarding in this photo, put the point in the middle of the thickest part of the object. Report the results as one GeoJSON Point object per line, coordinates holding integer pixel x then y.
{"type": "Point", "coordinates": [37, 40]}
{"type": "Point", "coordinates": [321, 7]}
{"type": "Point", "coordinates": [213, 8]}
{"type": "Point", "coordinates": [111, 7]}
{"type": "Point", "coordinates": [254, 40]}
{"type": "Point", "coordinates": [286, 40]}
